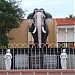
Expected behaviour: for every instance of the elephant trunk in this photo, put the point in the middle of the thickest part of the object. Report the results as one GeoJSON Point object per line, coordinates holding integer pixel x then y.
{"type": "Point", "coordinates": [39, 20]}
{"type": "Point", "coordinates": [39, 26]}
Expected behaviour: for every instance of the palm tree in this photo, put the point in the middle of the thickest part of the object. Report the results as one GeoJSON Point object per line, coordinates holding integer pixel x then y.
{"type": "Point", "coordinates": [71, 16]}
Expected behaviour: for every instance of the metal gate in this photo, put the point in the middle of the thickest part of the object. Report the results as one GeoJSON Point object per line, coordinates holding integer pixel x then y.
{"type": "Point", "coordinates": [37, 58]}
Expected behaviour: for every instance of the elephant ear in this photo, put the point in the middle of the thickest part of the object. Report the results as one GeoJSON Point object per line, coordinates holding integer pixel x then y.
{"type": "Point", "coordinates": [30, 16]}
{"type": "Point", "coordinates": [48, 15]}
{"type": "Point", "coordinates": [48, 18]}
{"type": "Point", "coordinates": [30, 20]}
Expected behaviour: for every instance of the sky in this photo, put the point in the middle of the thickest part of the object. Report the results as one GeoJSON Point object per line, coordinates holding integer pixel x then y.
{"type": "Point", "coordinates": [57, 8]}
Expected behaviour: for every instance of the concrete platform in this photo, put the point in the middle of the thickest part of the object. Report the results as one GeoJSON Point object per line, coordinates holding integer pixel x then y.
{"type": "Point", "coordinates": [38, 72]}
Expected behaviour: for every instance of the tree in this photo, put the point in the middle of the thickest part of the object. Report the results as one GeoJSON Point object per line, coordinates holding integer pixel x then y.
{"type": "Point", "coordinates": [71, 16]}
{"type": "Point", "coordinates": [11, 15]}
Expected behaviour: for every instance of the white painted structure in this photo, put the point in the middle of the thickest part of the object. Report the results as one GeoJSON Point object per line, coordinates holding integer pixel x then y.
{"type": "Point", "coordinates": [65, 28]}
{"type": "Point", "coordinates": [63, 57]}
{"type": "Point", "coordinates": [8, 58]}
{"type": "Point", "coordinates": [66, 34]}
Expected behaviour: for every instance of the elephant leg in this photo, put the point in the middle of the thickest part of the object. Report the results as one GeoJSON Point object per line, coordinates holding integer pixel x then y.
{"type": "Point", "coordinates": [44, 35]}
{"type": "Point", "coordinates": [35, 36]}
{"type": "Point", "coordinates": [43, 38]}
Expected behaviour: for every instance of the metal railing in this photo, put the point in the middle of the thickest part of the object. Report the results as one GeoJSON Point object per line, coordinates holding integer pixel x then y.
{"type": "Point", "coordinates": [37, 58]}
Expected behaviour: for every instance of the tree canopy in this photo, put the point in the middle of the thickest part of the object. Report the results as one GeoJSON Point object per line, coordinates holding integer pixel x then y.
{"type": "Point", "coordinates": [71, 16]}
{"type": "Point", "coordinates": [11, 15]}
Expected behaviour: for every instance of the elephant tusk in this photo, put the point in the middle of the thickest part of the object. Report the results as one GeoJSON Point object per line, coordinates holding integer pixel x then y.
{"type": "Point", "coordinates": [43, 30]}
{"type": "Point", "coordinates": [34, 30]}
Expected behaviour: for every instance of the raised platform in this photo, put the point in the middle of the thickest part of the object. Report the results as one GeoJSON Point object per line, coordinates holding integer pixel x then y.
{"type": "Point", "coordinates": [38, 72]}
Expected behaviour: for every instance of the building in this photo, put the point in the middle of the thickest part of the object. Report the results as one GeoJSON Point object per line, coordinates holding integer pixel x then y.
{"type": "Point", "coordinates": [65, 33]}
{"type": "Point", "coordinates": [41, 58]}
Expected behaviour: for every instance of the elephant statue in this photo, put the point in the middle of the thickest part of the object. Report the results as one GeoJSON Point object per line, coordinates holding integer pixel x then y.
{"type": "Point", "coordinates": [38, 25]}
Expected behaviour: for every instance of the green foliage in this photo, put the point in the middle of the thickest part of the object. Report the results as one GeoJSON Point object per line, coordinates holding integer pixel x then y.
{"type": "Point", "coordinates": [10, 17]}
{"type": "Point", "coordinates": [3, 38]}
{"type": "Point", "coordinates": [71, 16]}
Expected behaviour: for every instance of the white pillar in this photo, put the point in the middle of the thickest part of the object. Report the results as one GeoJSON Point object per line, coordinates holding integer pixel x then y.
{"type": "Point", "coordinates": [57, 36]}
{"type": "Point", "coordinates": [74, 27]}
{"type": "Point", "coordinates": [66, 36]}
{"type": "Point", "coordinates": [74, 36]}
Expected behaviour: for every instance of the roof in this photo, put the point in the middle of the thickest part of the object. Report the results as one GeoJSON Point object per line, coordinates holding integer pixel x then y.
{"type": "Point", "coordinates": [65, 21]}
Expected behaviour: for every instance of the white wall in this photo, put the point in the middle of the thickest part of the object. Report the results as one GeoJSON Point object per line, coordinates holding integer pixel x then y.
{"type": "Point", "coordinates": [61, 35]}
{"type": "Point", "coordinates": [65, 34]}
{"type": "Point", "coordinates": [70, 35]}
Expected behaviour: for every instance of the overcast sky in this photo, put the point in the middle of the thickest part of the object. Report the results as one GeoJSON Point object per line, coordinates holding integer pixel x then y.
{"type": "Point", "coordinates": [58, 8]}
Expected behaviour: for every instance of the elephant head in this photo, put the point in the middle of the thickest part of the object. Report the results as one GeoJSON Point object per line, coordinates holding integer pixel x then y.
{"type": "Point", "coordinates": [39, 27]}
